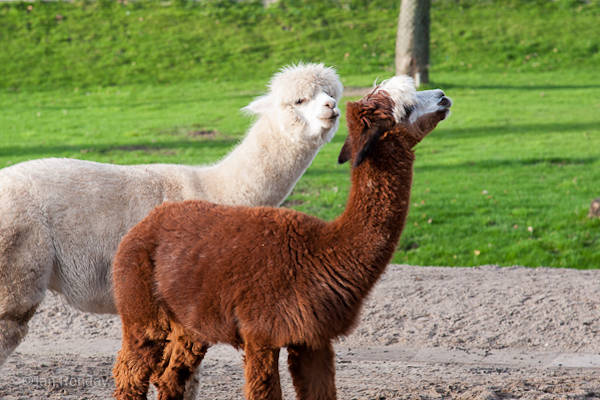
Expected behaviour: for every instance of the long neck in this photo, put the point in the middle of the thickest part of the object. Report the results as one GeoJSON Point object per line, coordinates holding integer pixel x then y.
{"type": "Point", "coordinates": [376, 211]}
{"type": "Point", "coordinates": [264, 167]}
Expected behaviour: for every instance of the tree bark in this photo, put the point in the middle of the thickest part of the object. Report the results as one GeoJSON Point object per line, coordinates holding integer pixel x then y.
{"type": "Point", "coordinates": [412, 40]}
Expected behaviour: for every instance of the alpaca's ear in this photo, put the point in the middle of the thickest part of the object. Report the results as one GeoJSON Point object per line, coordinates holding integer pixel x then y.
{"type": "Point", "coordinates": [260, 105]}
{"type": "Point", "coordinates": [353, 120]}
{"type": "Point", "coordinates": [346, 152]}
{"type": "Point", "coordinates": [364, 141]}
{"type": "Point", "coordinates": [370, 137]}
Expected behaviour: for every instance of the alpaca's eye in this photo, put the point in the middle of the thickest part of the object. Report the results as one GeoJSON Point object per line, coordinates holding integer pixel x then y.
{"type": "Point", "coordinates": [408, 110]}
{"type": "Point", "coordinates": [300, 101]}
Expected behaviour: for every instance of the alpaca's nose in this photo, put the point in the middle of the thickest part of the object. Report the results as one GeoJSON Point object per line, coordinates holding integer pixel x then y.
{"type": "Point", "coordinates": [330, 103]}
{"type": "Point", "coordinates": [445, 102]}
{"type": "Point", "coordinates": [439, 93]}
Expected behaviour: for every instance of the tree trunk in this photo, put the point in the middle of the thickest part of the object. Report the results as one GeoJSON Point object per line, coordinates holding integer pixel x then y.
{"type": "Point", "coordinates": [412, 40]}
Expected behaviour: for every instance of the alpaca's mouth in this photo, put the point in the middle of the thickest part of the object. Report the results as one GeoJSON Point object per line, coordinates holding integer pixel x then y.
{"type": "Point", "coordinates": [333, 116]}
{"type": "Point", "coordinates": [444, 113]}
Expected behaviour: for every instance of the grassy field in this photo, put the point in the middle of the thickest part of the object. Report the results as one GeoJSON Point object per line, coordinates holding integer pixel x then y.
{"type": "Point", "coordinates": [507, 179]}
{"type": "Point", "coordinates": [90, 43]}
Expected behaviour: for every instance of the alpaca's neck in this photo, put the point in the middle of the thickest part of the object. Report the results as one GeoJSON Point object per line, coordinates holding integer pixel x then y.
{"type": "Point", "coordinates": [375, 213]}
{"type": "Point", "coordinates": [263, 168]}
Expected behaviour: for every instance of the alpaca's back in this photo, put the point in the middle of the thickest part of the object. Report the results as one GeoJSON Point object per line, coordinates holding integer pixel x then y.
{"type": "Point", "coordinates": [86, 207]}
{"type": "Point", "coordinates": [234, 269]}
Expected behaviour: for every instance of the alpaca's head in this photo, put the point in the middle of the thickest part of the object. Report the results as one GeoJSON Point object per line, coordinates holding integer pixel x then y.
{"type": "Point", "coordinates": [394, 110]}
{"type": "Point", "coordinates": [303, 101]}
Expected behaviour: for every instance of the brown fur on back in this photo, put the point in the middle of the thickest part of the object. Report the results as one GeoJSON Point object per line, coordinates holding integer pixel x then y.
{"type": "Point", "coordinates": [268, 261]}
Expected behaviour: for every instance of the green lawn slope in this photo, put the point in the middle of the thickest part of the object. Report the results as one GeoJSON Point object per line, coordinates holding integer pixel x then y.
{"type": "Point", "coordinates": [86, 43]}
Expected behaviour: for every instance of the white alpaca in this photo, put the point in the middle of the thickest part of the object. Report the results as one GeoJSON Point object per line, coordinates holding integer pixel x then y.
{"type": "Point", "coordinates": [62, 219]}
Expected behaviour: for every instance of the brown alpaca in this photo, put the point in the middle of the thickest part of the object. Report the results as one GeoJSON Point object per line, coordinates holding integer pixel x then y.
{"type": "Point", "coordinates": [192, 274]}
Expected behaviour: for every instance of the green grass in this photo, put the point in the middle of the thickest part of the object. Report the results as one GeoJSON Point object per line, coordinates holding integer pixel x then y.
{"type": "Point", "coordinates": [507, 179]}
{"type": "Point", "coordinates": [518, 151]}
{"type": "Point", "coordinates": [90, 43]}
{"type": "Point", "coordinates": [108, 124]}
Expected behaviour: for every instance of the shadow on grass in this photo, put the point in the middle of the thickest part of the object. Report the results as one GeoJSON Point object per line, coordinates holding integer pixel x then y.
{"type": "Point", "coordinates": [481, 131]}
{"type": "Point", "coordinates": [449, 85]}
{"type": "Point", "coordinates": [328, 171]}
{"type": "Point", "coordinates": [125, 103]}
{"type": "Point", "coordinates": [491, 164]}
{"type": "Point", "coordinates": [149, 147]}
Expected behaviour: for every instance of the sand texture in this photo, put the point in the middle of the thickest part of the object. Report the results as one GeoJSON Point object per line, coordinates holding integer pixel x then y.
{"type": "Point", "coordinates": [425, 333]}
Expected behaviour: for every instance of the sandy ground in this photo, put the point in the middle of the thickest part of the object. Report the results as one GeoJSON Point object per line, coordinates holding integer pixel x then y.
{"type": "Point", "coordinates": [426, 333]}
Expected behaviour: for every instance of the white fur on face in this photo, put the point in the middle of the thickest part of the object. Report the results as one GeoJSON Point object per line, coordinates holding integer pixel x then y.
{"type": "Point", "coordinates": [403, 93]}
{"type": "Point", "coordinates": [401, 89]}
{"type": "Point", "coordinates": [306, 93]}
{"type": "Point", "coordinates": [321, 114]}
{"type": "Point", "coordinates": [428, 101]}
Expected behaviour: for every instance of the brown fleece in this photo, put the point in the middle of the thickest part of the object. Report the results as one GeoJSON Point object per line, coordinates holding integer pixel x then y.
{"type": "Point", "coordinates": [193, 273]}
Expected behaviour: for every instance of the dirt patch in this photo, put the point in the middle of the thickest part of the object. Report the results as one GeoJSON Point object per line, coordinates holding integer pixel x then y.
{"type": "Point", "coordinates": [292, 203]}
{"type": "Point", "coordinates": [196, 132]}
{"type": "Point", "coordinates": [425, 333]}
{"type": "Point", "coordinates": [203, 133]}
{"type": "Point", "coordinates": [356, 91]}
{"type": "Point", "coordinates": [143, 148]}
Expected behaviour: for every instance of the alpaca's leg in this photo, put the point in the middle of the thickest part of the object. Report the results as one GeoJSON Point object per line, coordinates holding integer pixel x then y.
{"type": "Point", "coordinates": [313, 372]}
{"type": "Point", "coordinates": [26, 260]}
{"type": "Point", "coordinates": [13, 328]}
{"type": "Point", "coordinates": [132, 376]}
{"type": "Point", "coordinates": [181, 358]}
{"type": "Point", "coordinates": [145, 326]}
{"type": "Point", "coordinates": [262, 372]}
{"type": "Point", "coordinates": [139, 357]}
